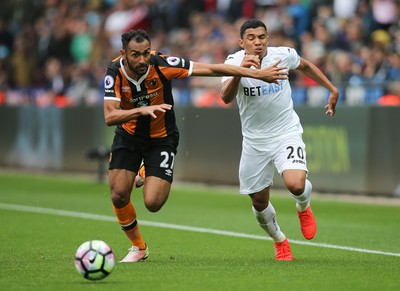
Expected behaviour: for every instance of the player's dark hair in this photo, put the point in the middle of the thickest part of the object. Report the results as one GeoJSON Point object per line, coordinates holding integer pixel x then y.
{"type": "Point", "coordinates": [138, 35]}
{"type": "Point", "coordinates": [252, 23]}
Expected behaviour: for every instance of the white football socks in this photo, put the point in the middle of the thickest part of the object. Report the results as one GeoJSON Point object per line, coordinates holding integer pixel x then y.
{"type": "Point", "coordinates": [303, 200]}
{"type": "Point", "coordinates": [267, 220]}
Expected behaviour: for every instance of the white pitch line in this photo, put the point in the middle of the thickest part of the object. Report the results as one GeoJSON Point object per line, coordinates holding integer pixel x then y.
{"type": "Point", "coordinates": [84, 215]}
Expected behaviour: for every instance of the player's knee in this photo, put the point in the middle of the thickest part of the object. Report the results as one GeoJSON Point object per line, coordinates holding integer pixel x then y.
{"type": "Point", "coordinates": [154, 198]}
{"type": "Point", "coordinates": [119, 198]}
{"type": "Point", "coordinates": [296, 188]}
{"type": "Point", "coordinates": [153, 206]}
{"type": "Point", "coordinates": [259, 203]}
{"type": "Point", "coordinates": [260, 200]}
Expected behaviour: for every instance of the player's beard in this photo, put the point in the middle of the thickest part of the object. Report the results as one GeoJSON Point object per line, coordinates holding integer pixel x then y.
{"type": "Point", "coordinates": [139, 69]}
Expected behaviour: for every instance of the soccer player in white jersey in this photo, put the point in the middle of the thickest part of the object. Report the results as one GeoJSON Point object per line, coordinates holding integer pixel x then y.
{"type": "Point", "coordinates": [272, 133]}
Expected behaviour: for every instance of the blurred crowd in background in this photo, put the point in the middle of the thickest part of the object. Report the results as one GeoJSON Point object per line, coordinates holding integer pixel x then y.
{"type": "Point", "coordinates": [55, 52]}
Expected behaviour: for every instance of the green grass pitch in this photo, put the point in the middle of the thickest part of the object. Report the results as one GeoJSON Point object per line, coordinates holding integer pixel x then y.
{"type": "Point", "coordinates": [205, 238]}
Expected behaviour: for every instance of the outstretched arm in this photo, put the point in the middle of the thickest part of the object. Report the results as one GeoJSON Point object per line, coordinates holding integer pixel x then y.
{"type": "Point", "coordinates": [114, 115]}
{"type": "Point", "coordinates": [270, 74]}
{"type": "Point", "coordinates": [312, 71]}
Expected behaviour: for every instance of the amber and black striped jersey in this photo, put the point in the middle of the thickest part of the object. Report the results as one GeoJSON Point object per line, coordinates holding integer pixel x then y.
{"type": "Point", "coordinates": [153, 88]}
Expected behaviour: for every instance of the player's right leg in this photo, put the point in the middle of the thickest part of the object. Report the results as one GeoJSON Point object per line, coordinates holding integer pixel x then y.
{"type": "Point", "coordinates": [256, 172]}
{"type": "Point", "coordinates": [266, 217]}
{"type": "Point", "coordinates": [121, 184]}
{"type": "Point", "coordinates": [124, 163]}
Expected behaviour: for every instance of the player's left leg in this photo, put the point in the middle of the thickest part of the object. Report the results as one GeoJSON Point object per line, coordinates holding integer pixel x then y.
{"type": "Point", "coordinates": [300, 189]}
{"type": "Point", "coordinates": [155, 193]}
{"type": "Point", "coordinates": [159, 168]}
{"type": "Point", "coordinates": [290, 162]}
{"type": "Point", "coordinates": [298, 185]}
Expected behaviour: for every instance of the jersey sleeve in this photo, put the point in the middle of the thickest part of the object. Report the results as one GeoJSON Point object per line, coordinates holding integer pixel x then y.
{"type": "Point", "coordinates": [173, 67]}
{"type": "Point", "coordinates": [111, 85]}
{"type": "Point", "coordinates": [294, 58]}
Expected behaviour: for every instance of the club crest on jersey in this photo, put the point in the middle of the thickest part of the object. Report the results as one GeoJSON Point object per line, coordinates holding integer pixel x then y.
{"type": "Point", "coordinates": [152, 84]}
{"type": "Point", "coordinates": [173, 61]}
{"type": "Point", "coordinates": [108, 82]}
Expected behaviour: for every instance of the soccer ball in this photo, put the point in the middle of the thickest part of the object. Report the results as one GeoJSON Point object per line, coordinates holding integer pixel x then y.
{"type": "Point", "coordinates": [94, 260]}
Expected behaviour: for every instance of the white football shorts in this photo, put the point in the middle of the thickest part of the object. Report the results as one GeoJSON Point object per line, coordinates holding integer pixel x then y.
{"type": "Point", "coordinates": [256, 169]}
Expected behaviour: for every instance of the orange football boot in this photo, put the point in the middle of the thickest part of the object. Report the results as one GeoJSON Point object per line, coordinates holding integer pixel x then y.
{"type": "Point", "coordinates": [308, 224]}
{"type": "Point", "coordinates": [282, 251]}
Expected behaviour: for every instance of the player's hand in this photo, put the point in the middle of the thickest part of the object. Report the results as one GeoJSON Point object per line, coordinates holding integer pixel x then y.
{"type": "Point", "coordinates": [331, 106]}
{"type": "Point", "coordinates": [274, 73]}
{"type": "Point", "coordinates": [251, 61]}
{"type": "Point", "coordinates": [151, 110]}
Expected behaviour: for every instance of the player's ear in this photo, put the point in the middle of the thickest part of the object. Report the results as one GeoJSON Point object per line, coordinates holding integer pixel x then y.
{"type": "Point", "coordinates": [241, 42]}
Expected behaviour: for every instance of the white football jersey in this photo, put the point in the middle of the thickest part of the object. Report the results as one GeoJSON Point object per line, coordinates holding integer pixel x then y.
{"type": "Point", "coordinates": [266, 109]}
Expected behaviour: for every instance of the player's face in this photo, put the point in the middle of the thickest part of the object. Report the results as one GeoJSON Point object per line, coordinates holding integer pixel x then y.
{"type": "Point", "coordinates": [254, 41]}
{"type": "Point", "coordinates": [137, 57]}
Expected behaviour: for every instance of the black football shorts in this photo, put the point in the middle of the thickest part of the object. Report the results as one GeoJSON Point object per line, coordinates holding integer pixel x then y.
{"type": "Point", "coordinates": [158, 155]}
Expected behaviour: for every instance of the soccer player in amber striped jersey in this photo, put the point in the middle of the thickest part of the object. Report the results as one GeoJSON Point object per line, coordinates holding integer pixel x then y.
{"type": "Point", "coordinates": [138, 101]}
{"type": "Point", "coordinates": [272, 133]}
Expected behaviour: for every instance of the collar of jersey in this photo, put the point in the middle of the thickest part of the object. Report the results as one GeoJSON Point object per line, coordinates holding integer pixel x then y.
{"type": "Point", "coordinates": [136, 83]}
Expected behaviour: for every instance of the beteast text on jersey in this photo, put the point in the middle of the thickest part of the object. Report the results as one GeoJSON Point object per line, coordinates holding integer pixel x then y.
{"type": "Point", "coordinates": [263, 90]}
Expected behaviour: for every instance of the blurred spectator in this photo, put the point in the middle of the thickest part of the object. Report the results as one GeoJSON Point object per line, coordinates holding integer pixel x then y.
{"type": "Point", "coordinates": [81, 42]}
{"type": "Point", "coordinates": [238, 9]}
{"type": "Point", "coordinates": [393, 63]}
{"type": "Point", "coordinates": [54, 87]}
{"type": "Point", "coordinates": [23, 62]}
{"type": "Point", "coordinates": [185, 10]}
{"type": "Point", "coordinates": [380, 38]}
{"type": "Point", "coordinates": [392, 96]}
{"type": "Point", "coordinates": [83, 89]}
{"type": "Point", "coordinates": [6, 40]}
{"type": "Point", "coordinates": [161, 15]}
{"type": "Point", "coordinates": [125, 15]}
{"type": "Point", "coordinates": [345, 8]}
{"type": "Point", "coordinates": [321, 37]}
{"type": "Point", "coordinates": [326, 18]}
{"type": "Point", "coordinates": [350, 36]}
{"type": "Point", "coordinates": [364, 12]}
{"type": "Point", "coordinates": [49, 100]}
{"type": "Point", "coordinates": [272, 17]}
{"type": "Point", "coordinates": [385, 13]}
{"type": "Point", "coordinates": [340, 66]}
{"type": "Point", "coordinates": [6, 45]}
{"type": "Point", "coordinates": [300, 15]}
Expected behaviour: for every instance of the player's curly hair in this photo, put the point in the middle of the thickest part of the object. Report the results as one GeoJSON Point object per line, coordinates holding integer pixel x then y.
{"type": "Point", "coordinates": [252, 23]}
{"type": "Point", "coordinates": [139, 36]}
